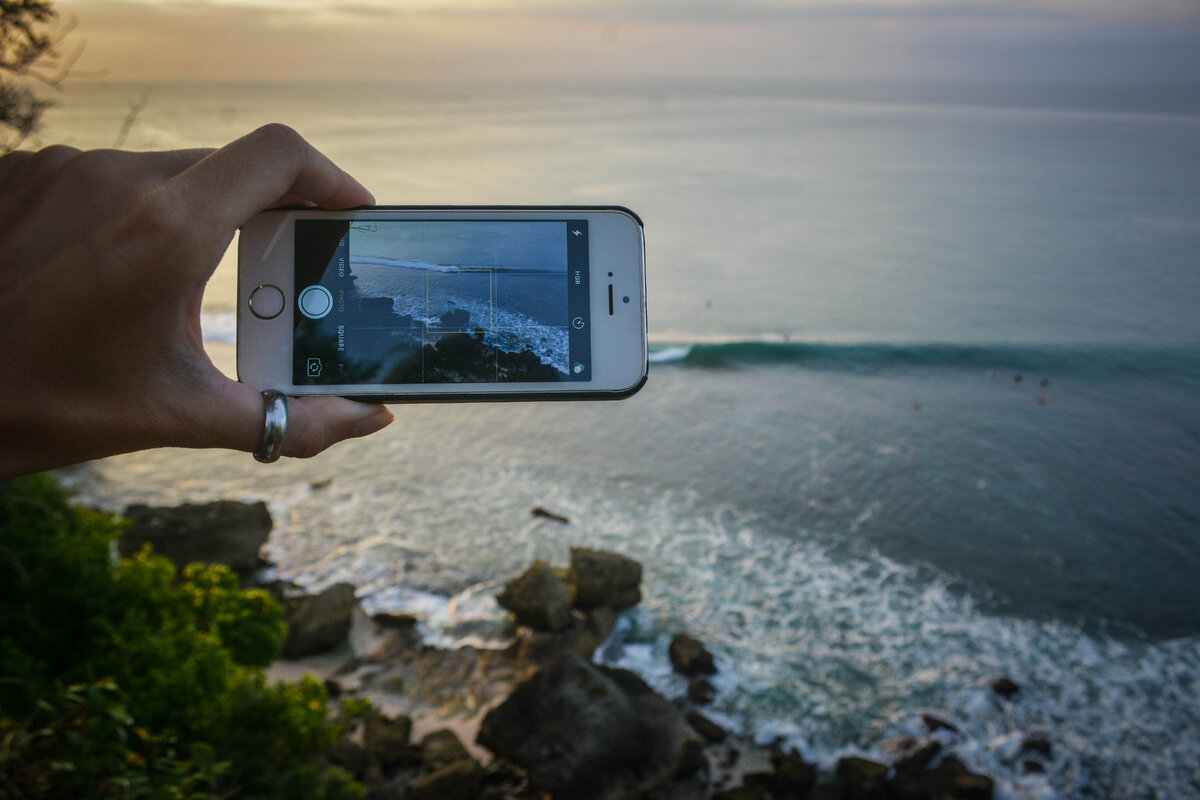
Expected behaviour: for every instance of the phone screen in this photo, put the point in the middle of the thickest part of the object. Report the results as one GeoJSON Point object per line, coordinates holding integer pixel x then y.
{"type": "Point", "coordinates": [441, 301]}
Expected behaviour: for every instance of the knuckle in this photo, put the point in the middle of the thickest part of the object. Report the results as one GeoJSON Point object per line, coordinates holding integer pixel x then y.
{"type": "Point", "coordinates": [54, 156]}
{"type": "Point", "coordinates": [98, 168]}
{"type": "Point", "coordinates": [27, 168]}
{"type": "Point", "coordinates": [159, 215]}
{"type": "Point", "coordinates": [278, 137]}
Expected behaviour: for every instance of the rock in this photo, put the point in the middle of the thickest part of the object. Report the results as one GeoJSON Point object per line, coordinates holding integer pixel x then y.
{"type": "Point", "coordinates": [1005, 686]}
{"type": "Point", "coordinates": [440, 749]}
{"type": "Point", "coordinates": [458, 781]}
{"type": "Point", "coordinates": [601, 622]}
{"type": "Point", "coordinates": [701, 691]}
{"type": "Point", "coordinates": [827, 791]}
{"type": "Point", "coordinates": [386, 740]}
{"type": "Point", "coordinates": [349, 756]}
{"type": "Point", "coordinates": [395, 621]}
{"type": "Point", "coordinates": [394, 684]}
{"type": "Point", "coordinates": [761, 782]}
{"type": "Point", "coordinates": [951, 780]}
{"type": "Point", "coordinates": [457, 319]}
{"type": "Point", "coordinates": [539, 648]}
{"type": "Point", "coordinates": [585, 732]}
{"type": "Point", "coordinates": [862, 778]}
{"type": "Point", "coordinates": [605, 579]}
{"type": "Point", "coordinates": [538, 511]}
{"type": "Point", "coordinates": [738, 793]}
{"type": "Point", "coordinates": [934, 724]}
{"type": "Point", "coordinates": [1031, 767]}
{"type": "Point", "coordinates": [793, 776]}
{"type": "Point", "coordinates": [224, 532]}
{"type": "Point", "coordinates": [1038, 744]}
{"type": "Point", "coordinates": [593, 631]}
{"type": "Point", "coordinates": [332, 688]}
{"type": "Point", "coordinates": [710, 731]}
{"type": "Point", "coordinates": [692, 758]}
{"type": "Point", "coordinates": [911, 756]}
{"type": "Point", "coordinates": [689, 657]}
{"type": "Point", "coordinates": [463, 358]}
{"type": "Point", "coordinates": [539, 598]}
{"type": "Point", "coordinates": [919, 757]}
{"type": "Point", "coordinates": [316, 622]}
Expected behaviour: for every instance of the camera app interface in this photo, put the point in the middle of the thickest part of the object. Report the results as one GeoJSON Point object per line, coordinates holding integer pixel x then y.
{"type": "Point", "coordinates": [413, 302]}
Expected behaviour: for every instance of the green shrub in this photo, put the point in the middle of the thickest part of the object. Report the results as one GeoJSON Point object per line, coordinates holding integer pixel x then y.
{"type": "Point", "coordinates": [125, 679]}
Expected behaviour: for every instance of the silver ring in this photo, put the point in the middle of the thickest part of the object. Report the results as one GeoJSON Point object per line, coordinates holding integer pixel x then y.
{"type": "Point", "coordinates": [274, 426]}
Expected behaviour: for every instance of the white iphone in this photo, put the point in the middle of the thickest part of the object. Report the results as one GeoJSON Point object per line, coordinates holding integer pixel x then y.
{"type": "Point", "coordinates": [392, 304]}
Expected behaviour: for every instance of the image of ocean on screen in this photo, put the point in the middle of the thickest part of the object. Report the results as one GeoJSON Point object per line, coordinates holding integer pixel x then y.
{"type": "Point", "coordinates": [921, 408]}
{"type": "Point", "coordinates": [509, 280]}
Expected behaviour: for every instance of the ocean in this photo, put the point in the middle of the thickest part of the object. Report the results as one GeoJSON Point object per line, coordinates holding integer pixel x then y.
{"type": "Point", "coordinates": [922, 409]}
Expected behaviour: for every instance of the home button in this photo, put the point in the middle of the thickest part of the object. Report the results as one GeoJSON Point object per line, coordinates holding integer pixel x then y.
{"type": "Point", "coordinates": [266, 301]}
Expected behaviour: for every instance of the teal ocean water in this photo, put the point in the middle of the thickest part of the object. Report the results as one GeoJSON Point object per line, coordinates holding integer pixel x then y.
{"type": "Point", "coordinates": [922, 408]}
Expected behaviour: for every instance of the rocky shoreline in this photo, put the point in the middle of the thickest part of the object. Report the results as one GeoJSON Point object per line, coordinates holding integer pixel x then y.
{"type": "Point", "coordinates": [538, 718]}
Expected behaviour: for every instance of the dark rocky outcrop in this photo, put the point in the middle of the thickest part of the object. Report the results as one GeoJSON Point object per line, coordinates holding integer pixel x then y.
{"type": "Point", "coordinates": [934, 724]}
{"type": "Point", "coordinates": [466, 358]}
{"type": "Point", "coordinates": [394, 621]}
{"type": "Point", "coordinates": [543, 513]}
{"type": "Point", "coordinates": [440, 749]}
{"type": "Point", "coordinates": [690, 657]}
{"type": "Point", "coordinates": [584, 731]}
{"type": "Point", "coordinates": [460, 780]}
{"type": "Point", "coordinates": [387, 740]}
{"type": "Point", "coordinates": [1005, 686]}
{"type": "Point", "coordinates": [225, 532]}
{"type": "Point", "coordinates": [1038, 743]}
{"type": "Point", "coordinates": [349, 756]}
{"type": "Point", "coordinates": [861, 778]}
{"type": "Point", "coordinates": [710, 731]}
{"type": "Point", "coordinates": [316, 622]}
{"type": "Point", "coordinates": [605, 579]}
{"type": "Point", "coordinates": [739, 793]}
{"type": "Point", "coordinates": [539, 598]}
{"type": "Point", "coordinates": [951, 780]}
{"type": "Point", "coordinates": [791, 775]}
{"type": "Point", "coordinates": [701, 691]}
{"type": "Point", "coordinates": [454, 320]}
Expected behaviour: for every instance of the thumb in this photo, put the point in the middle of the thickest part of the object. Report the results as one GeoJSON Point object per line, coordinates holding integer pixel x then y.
{"type": "Point", "coordinates": [315, 423]}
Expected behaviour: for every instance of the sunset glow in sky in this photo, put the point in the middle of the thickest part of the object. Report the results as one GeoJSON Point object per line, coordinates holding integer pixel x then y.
{"type": "Point", "coordinates": [1056, 41]}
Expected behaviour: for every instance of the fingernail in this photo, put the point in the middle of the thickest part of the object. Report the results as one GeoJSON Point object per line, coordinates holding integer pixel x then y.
{"type": "Point", "coordinates": [376, 422]}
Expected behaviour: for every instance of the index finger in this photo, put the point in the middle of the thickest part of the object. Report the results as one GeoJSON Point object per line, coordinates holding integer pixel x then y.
{"type": "Point", "coordinates": [252, 173]}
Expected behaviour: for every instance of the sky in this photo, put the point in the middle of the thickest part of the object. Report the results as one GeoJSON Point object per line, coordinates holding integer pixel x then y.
{"type": "Point", "coordinates": [1006, 41]}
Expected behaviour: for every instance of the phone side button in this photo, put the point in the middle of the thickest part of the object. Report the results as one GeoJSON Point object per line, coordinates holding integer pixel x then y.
{"type": "Point", "coordinates": [266, 301]}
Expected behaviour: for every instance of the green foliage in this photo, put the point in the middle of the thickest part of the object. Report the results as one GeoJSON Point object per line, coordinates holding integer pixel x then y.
{"type": "Point", "coordinates": [124, 679]}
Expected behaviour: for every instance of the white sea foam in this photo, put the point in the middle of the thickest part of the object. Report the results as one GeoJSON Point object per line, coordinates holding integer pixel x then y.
{"type": "Point", "coordinates": [669, 354]}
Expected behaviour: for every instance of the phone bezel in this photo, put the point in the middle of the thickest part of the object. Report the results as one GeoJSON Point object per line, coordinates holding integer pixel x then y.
{"type": "Point", "coordinates": [265, 255]}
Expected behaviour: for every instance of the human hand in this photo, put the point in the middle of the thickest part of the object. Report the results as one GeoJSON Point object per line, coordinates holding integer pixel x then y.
{"type": "Point", "coordinates": [104, 256]}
